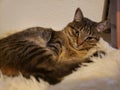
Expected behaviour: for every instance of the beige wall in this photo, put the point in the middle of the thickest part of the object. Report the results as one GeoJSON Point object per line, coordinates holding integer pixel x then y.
{"type": "Point", "coordinates": [19, 14]}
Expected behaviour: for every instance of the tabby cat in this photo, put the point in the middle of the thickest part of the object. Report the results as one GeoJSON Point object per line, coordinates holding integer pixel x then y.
{"type": "Point", "coordinates": [48, 54]}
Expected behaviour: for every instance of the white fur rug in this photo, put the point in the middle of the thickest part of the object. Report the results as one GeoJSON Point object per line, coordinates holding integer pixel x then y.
{"type": "Point", "coordinates": [103, 74]}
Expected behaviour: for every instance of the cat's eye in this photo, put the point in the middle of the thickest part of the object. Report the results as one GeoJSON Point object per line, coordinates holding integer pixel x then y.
{"type": "Point", "coordinates": [77, 33]}
{"type": "Point", "coordinates": [89, 38]}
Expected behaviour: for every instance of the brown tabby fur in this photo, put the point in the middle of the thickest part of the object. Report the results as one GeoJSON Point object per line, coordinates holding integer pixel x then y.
{"type": "Point", "coordinates": [48, 54]}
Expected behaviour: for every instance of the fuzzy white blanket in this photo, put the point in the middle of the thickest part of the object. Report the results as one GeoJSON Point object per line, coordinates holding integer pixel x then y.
{"type": "Point", "coordinates": [103, 74]}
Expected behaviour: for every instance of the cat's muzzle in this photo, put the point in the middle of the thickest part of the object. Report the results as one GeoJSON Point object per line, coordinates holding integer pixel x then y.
{"type": "Point", "coordinates": [88, 42]}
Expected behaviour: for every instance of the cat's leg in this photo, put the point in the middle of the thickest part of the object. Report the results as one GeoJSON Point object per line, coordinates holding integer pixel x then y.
{"type": "Point", "coordinates": [99, 53]}
{"type": "Point", "coordinates": [55, 46]}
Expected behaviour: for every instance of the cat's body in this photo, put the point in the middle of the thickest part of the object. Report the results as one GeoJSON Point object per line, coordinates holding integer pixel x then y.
{"type": "Point", "coordinates": [46, 53]}
{"type": "Point", "coordinates": [42, 49]}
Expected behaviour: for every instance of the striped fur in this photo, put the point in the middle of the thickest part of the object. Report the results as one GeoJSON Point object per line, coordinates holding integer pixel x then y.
{"type": "Point", "coordinates": [48, 54]}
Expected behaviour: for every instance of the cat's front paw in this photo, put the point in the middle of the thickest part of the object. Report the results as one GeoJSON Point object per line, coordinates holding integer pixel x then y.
{"type": "Point", "coordinates": [99, 53]}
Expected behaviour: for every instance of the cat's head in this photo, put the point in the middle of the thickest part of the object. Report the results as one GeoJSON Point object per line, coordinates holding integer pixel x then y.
{"type": "Point", "coordinates": [84, 33]}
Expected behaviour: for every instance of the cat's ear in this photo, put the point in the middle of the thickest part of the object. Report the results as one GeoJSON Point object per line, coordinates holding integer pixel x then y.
{"type": "Point", "coordinates": [104, 25]}
{"type": "Point", "coordinates": [78, 15]}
